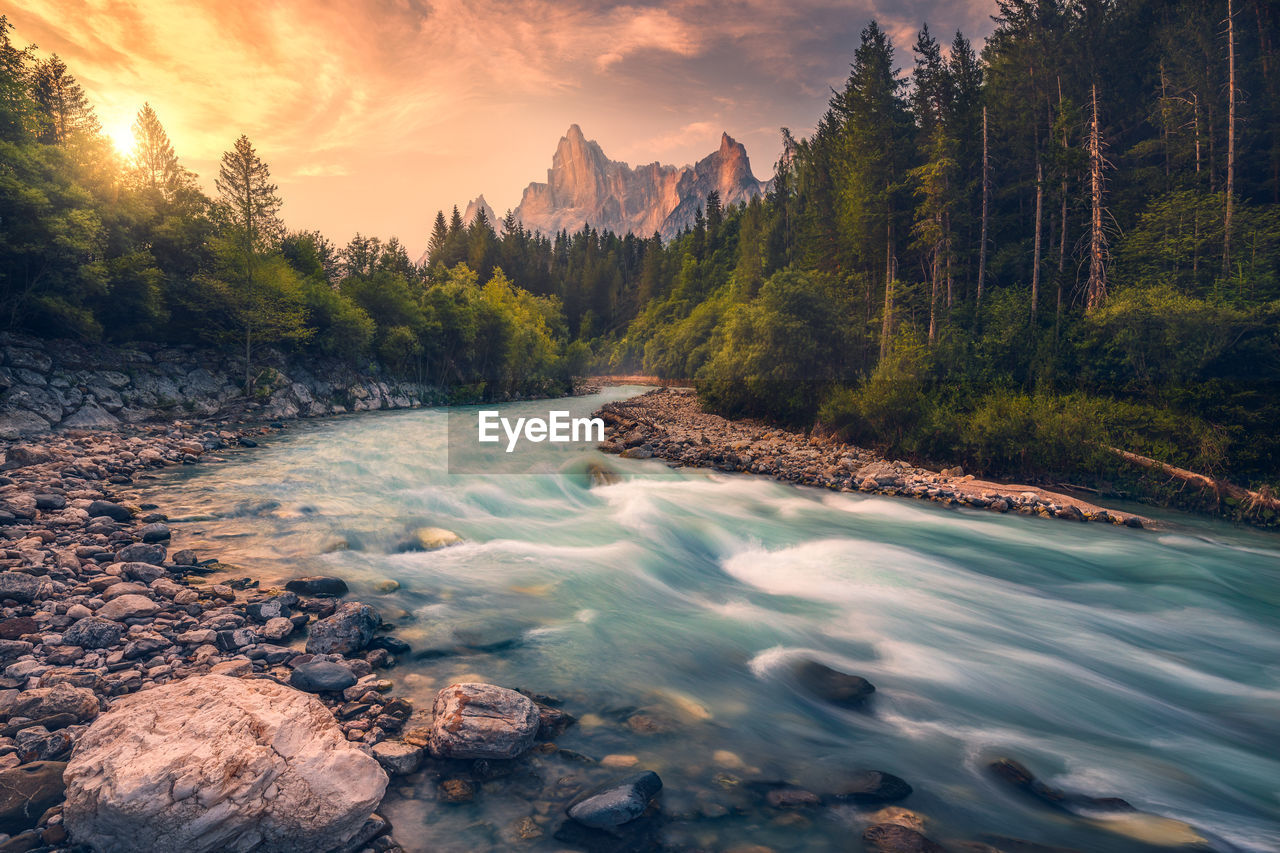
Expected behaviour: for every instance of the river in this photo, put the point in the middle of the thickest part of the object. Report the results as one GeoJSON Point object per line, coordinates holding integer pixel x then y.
{"type": "Point", "coordinates": [1117, 662]}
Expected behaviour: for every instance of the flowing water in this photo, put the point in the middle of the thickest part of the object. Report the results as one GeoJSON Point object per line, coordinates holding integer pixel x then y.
{"type": "Point", "coordinates": [1111, 661]}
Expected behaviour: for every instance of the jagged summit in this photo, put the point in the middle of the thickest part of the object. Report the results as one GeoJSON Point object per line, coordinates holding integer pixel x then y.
{"type": "Point", "coordinates": [584, 186]}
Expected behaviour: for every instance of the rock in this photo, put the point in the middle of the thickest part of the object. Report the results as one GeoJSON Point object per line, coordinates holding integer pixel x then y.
{"type": "Point", "coordinates": [114, 511]}
{"type": "Point", "coordinates": [128, 607]}
{"type": "Point", "coordinates": [12, 629]}
{"type": "Point", "coordinates": [615, 803]}
{"type": "Point", "coordinates": [430, 539]}
{"type": "Point", "coordinates": [142, 552]}
{"type": "Point", "coordinates": [234, 668]}
{"type": "Point", "coordinates": [19, 423]}
{"type": "Point", "coordinates": [155, 532]}
{"type": "Point", "coordinates": [346, 632]}
{"type": "Point", "coordinates": [892, 838]}
{"type": "Point", "coordinates": [276, 628]}
{"type": "Point", "coordinates": [476, 720]}
{"type": "Point", "coordinates": [792, 798]}
{"type": "Point", "coordinates": [142, 572]}
{"type": "Point", "coordinates": [322, 675]}
{"type": "Point", "coordinates": [644, 451]}
{"type": "Point", "coordinates": [213, 763]}
{"type": "Point", "coordinates": [831, 685]}
{"type": "Point", "coordinates": [398, 759]}
{"type": "Point", "coordinates": [94, 632]}
{"type": "Point", "coordinates": [19, 586]}
{"type": "Point", "coordinates": [1018, 777]}
{"type": "Point", "coordinates": [26, 792]}
{"type": "Point", "coordinates": [317, 585]}
{"type": "Point", "coordinates": [50, 502]}
{"type": "Point", "coordinates": [456, 790]}
{"type": "Point", "coordinates": [41, 702]}
{"type": "Point", "coordinates": [872, 786]}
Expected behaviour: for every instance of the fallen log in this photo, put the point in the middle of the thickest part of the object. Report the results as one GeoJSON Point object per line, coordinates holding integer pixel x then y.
{"type": "Point", "coordinates": [1261, 499]}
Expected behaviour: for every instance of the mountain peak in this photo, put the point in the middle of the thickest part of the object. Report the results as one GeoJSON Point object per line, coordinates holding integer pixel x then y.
{"type": "Point", "coordinates": [584, 187]}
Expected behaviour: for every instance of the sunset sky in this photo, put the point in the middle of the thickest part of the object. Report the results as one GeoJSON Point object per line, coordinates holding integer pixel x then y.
{"type": "Point", "coordinates": [373, 114]}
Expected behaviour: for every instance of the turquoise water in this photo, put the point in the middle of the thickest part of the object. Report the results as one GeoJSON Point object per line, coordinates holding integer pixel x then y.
{"type": "Point", "coordinates": [1117, 662]}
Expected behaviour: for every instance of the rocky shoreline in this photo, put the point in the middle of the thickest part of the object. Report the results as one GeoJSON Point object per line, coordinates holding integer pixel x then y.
{"type": "Point", "coordinates": [667, 423]}
{"type": "Point", "coordinates": [151, 700]}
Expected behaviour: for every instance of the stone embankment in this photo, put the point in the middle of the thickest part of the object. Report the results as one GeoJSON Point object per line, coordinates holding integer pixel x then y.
{"type": "Point", "coordinates": [667, 423]}
{"type": "Point", "coordinates": [67, 385]}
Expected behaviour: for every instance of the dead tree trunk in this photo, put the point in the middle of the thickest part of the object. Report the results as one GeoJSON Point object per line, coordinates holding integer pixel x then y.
{"type": "Point", "coordinates": [1231, 140]}
{"type": "Point", "coordinates": [886, 328]}
{"type": "Point", "coordinates": [986, 198]}
{"type": "Point", "coordinates": [1251, 499]}
{"type": "Point", "coordinates": [1035, 268]}
{"type": "Point", "coordinates": [1096, 289]}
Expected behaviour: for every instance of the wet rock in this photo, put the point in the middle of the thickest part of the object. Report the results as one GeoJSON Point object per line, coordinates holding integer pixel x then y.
{"type": "Point", "coordinates": [892, 838]}
{"type": "Point", "coordinates": [142, 572]}
{"type": "Point", "coordinates": [142, 552]}
{"type": "Point", "coordinates": [94, 632]}
{"type": "Point", "coordinates": [156, 532]}
{"type": "Point", "coordinates": [322, 676]}
{"type": "Point", "coordinates": [42, 702]}
{"type": "Point", "coordinates": [317, 585]}
{"type": "Point", "coordinates": [873, 786]}
{"type": "Point", "coordinates": [430, 539]}
{"type": "Point", "coordinates": [457, 790]}
{"type": "Point", "coordinates": [616, 803]}
{"type": "Point", "coordinates": [128, 607]}
{"type": "Point", "coordinates": [476, 720]}
{"type": "Point", "coordinates": [398, 759]}
{"type": "Point", "coordinates": [26, 792]}
{"type": "Point", "coordinates": [792, 798]}
{"type": "Point", "coordinates": [831, 685]}
{"type": "Point", "coordinates": [19, 586]}
{"type": "Point", "coordinates": [214, 763]}
{"type": "Point", "coordinates": [113, 511]}
{"type": "Point", "coordinates": [1018, 777]}
{"type": "Point", "coordinates": [346, 632]}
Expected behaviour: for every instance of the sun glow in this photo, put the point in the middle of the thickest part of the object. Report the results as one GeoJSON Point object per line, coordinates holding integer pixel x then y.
{"type": "Point", "coordinates": [121, 135]}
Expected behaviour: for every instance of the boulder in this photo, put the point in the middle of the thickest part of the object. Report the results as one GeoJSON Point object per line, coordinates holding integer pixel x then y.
{"type": "Point", "coordinates": [90, 416]}
{"type": "Point", "coordinates": [27, 791]}
{"type": "Point", "coordinates": [831, 685]}
{"type": "Point", "coordinates": [19, 586]}
{"type": "Point", "coordinates": [617, 802]}
{"type": "Point", "coordinates": [111, 510]}
{"type": "Point", "coordinates": [476, 720]}
{"type": "Point", "coordinates": [215, 763]}
{"type": "Point", "coordinates": [40, 702]}
{"type": "Point", "coordinates": [155, 532]}
{"type": "Point", "coordinates": [93, 632]}
{"type": "Point", "coordinates": [128, 607]}
{"type": "Point", "coordinates": [322, 676]}
{"type": "Point", "coordinates": [346, 632]}
{"type": "Point", "coordinates": [398, 759]}
{"type": "Point", "coordinates": [317, 585]}
{"type": "Point", "coordinates": [892, 838]}
{"type": "Point", "coordinates": [430, 539]}
{"type": "Point", "coordinates": [871, 787]}
{"type": "Point", "coordinates": [142, 552]}
{"type": "Point", "coordinates": [142, 572]}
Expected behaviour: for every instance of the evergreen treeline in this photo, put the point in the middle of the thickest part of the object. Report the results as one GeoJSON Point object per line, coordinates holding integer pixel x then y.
{"type": "Point", "coordinates": [1013, 258]}
{"type": "Point", "coordinates": [99, 246]}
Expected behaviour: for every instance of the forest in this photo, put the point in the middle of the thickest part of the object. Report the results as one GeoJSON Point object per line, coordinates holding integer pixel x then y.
{"type": "Point", "coordinates": [1021, 258]}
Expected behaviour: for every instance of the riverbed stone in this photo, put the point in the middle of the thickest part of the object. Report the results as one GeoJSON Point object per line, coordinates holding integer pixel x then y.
{"type": "Point", "coordinates": [322, 676]}
{"type": "Point", "coordinates": [214, 763]}
{"type": "Point", "coordinates": [110, 509]}
{"type": "Point", "coordinates": [617, 802]}
{"type": "Point", "coordinates": [317, 585]}
{"type": "Point", "coordinates": [27, 791]}
{"type": "Point", "coordinates": [398, 759]}
{"type": "Point", "coordinates": [19, 586]}
{"type": "Point", "coordinates": [870, 787]}
{"type": "Point", "coordinates": [94, 632]}
{"type": "Point", "coordinates": [130, 606]}
{"type": "Point", "coordinates": [893, 838]}
{"type": "Point", "coordinates": [40, 702]}
{"type": "Point", "coordinates": [478, 720]}
{"type": "Point", "coordinates": [346, 632]}
{"type": "Point", "coordinates": [142, 552]}
{"type": "Point", "coordinates": [832, 685]}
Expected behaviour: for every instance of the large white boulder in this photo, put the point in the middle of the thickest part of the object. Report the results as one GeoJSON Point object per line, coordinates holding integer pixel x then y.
{"type": "Point", "coordinates": [219, 763]}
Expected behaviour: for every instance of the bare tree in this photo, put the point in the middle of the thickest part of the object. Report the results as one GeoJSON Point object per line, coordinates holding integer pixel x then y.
{"type": "Point", "coordinates": [1231, 139]}
{"type": "Point", "coordinates": [1096, 287]}
{"type": "Point", "coordinates": [1035, 268]}
{"type": "Point", "coordinates": [986, 203]}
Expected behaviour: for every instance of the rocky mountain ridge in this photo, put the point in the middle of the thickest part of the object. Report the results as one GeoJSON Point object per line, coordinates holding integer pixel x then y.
{"type": "Point", "coordinates": [585, 187]}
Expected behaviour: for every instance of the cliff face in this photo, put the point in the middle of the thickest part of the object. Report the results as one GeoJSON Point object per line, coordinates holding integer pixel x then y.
{"type": "Point", "coordinates": [584, 187]}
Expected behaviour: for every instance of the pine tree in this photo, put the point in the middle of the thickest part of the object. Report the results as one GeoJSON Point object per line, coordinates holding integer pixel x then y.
{"type": "Point", "coordinates": [154, 164]}
{"type": "Point", "coordinates": [66, 111]}
{"type": "Point", "coordinates": [247, 198]}
{"type": "Point", "coordinates": [436, 245]}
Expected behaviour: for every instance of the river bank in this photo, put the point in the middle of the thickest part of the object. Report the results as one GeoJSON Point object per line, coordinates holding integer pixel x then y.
{"type": "Point", "coordinates": [667, 423]}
